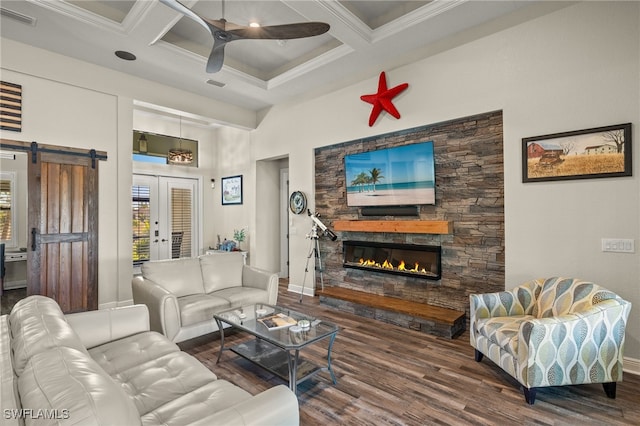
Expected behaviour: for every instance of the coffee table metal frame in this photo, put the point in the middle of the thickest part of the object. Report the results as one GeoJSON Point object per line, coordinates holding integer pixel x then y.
{"type": "Point", "coordinates": [278, 350]}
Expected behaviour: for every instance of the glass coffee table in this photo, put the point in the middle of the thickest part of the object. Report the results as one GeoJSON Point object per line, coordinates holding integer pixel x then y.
{"type": "Point", "coordinates": [280, 334]}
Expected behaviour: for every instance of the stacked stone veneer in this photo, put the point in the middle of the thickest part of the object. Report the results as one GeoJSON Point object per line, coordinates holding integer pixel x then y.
{"type": "Point", "coordinates": [469, 192]}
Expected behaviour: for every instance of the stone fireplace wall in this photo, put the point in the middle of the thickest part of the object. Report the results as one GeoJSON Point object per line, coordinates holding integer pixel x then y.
{"type": "Point", "coordinates": [469, 192]}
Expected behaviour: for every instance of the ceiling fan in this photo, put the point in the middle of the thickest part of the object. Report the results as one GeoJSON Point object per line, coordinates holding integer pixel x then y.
{"type": "Point", "coordinates": [223, 32]}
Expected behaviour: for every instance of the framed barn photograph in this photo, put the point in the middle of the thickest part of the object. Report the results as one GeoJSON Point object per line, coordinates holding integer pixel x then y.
{"type": "Point", "coordinates": [582, 154]}
{"type": "Point", "coordinates": [232, 190]}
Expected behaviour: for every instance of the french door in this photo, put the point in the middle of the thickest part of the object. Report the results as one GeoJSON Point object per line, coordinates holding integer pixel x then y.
{"type": "Point", "coordinates": [165, 220]}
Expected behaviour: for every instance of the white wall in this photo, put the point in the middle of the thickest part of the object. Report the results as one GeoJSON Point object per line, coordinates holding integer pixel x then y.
{"type": "Point", "coordinates": [233, 159]}
{"type": "Point", "coordinates": [163, 124]}
{"type": "Point", "coordinates": [76, 104]}
{"type": "Point", "coordinates": [572, 69]}
{"type": "Point", "coordinates": [57, 114]}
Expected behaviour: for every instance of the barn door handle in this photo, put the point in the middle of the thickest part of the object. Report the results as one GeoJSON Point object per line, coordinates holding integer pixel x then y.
{"type": "Point", "coordinates": [34, 236]}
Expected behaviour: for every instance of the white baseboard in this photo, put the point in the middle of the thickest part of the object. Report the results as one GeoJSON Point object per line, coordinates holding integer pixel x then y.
{"type": "Point", "coordinates": [631, 365]}
{"type": "Point", "coordinates": [298, 289]}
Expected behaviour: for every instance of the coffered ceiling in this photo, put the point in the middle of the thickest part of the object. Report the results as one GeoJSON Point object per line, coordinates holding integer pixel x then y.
{"type": "Point", "coordinates": [366, 37]}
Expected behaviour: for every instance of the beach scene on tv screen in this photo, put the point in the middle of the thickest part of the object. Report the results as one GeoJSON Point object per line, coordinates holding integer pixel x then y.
{"type": "Point", "coordinates": [403, 175]}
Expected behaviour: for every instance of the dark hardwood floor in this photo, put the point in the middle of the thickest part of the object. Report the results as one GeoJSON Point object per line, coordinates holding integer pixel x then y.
{"type": "Point", "coordinates": [388, 375]}
{"type": "Point", "coordinates": [10, 298]}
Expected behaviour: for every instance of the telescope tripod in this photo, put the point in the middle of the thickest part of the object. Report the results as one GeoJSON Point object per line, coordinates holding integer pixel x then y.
{"type": "Point", "coordinates": [314, 251]}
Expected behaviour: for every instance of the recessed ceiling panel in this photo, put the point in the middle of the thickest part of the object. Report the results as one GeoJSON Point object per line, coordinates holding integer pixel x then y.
{"type": "Point", "coordinates": [115, 10]}
{"type": "Point", "coordinates": [378, 13]}
{"type": "Point", "coordinates": [365, 36]}
{"type": "Point", "coordinates": [263, 59]}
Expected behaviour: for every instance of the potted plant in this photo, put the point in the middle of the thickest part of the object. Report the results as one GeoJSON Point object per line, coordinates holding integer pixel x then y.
{"type": "Point", "coordinates": [239, 235]}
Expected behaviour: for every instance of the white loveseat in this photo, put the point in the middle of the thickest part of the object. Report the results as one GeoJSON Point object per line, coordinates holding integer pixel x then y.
{"type": "Point", "coordinates": [183, 294]}
{"type": "Point", "coordinates": [106, 368]}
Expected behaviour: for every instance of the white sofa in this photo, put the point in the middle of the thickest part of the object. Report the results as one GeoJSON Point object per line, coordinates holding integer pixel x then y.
{"type": "Point", "coordinates": [106, 368]}
{"type": "Point", "coordinates": [183, 294]}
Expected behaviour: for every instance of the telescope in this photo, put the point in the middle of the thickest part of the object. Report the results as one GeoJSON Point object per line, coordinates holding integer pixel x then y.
{"type": "Point", "coordinates": [322, 226]}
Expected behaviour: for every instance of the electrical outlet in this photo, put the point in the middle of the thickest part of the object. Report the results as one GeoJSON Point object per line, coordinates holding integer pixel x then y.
{"type": "Point", "coordinates": [618, 245]}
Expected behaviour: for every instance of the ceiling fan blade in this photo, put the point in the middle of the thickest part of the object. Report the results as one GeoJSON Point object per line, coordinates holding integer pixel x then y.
{"type": "Point", "coordinates": [224, 32]}
{"type": "Point", "coordinates": [282, 32]}
{"type": "Point", "coordinates": [216, 57]}
{"type": "Point", "coordinates": [179, 7]}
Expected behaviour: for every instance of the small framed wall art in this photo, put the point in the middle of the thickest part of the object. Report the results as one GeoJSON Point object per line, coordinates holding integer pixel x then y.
{"type": "Point", "coordinates": [232, 190]}
{"type": "Point", "coordinates": [581, 154]}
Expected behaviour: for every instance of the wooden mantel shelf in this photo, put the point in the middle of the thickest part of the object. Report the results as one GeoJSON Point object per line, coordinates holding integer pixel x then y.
{"type": "Point", "coordinates": [396, 226]}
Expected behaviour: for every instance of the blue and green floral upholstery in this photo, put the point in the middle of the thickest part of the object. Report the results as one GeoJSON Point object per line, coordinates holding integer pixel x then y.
{"type": "Point", "coordinates": [552, 332]}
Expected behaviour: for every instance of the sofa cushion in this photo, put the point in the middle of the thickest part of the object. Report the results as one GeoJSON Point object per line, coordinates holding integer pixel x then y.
{"type": "Point", "coordinates": [502, 331]}
{"type": "Point", "coordinates": [181, 277]}
{"type": "Point", "coordinates": [70, 384]}
{"type": "Point", "coordinates": [211, 398]}
{"type": "Point", "coordinates": [161, 380]}
{"type": "Point", "coordinates": [200, 307]}
{"type": "Point", "coordinates": [37, 324]}
{"type": "Point", "coordinates": [241, 296]}
{"type": "Point", "coordinates": [120, 355]}
{"type": "Point", "coordinates": [221, 270]}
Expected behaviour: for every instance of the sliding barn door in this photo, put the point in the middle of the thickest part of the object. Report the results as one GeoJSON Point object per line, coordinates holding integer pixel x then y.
{"type": "Point", "coordinates": [63, 222]}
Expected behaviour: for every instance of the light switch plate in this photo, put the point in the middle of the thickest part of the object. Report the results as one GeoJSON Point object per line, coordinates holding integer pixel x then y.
{"type": "Point", "coordinates": [618, 245]}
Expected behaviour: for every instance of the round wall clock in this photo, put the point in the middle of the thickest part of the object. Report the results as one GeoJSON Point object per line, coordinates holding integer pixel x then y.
{"type": "Point", "coordinates": [298, 202]}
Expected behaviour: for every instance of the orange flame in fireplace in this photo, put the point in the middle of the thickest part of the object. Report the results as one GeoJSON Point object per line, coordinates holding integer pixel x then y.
{"type": "Point", "coordinates": [388, 265]}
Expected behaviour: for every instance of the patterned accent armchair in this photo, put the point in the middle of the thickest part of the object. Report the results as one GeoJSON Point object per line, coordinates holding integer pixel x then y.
{"type": "Point", "coordinates": [552, 332]}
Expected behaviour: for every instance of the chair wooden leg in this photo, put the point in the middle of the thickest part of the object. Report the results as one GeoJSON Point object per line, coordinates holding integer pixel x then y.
{"type": "Point", "coordinates": [478, 355]}
{"type": "Point", "coordinates": [610, 389]}
{"type": "Point", "coordinates": [530, 395]}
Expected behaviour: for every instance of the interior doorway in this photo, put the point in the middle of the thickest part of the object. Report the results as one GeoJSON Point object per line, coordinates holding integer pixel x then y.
{"type": "Point", "coordinates": [284, 223]}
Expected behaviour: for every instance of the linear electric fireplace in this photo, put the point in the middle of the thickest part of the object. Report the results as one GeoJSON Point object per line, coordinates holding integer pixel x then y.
{"type": "Point", "coordinates": [420, 261]}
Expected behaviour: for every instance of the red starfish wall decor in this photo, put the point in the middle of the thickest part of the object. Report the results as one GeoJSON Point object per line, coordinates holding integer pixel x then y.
{"type": "Point", "coordinates": [383, 99]}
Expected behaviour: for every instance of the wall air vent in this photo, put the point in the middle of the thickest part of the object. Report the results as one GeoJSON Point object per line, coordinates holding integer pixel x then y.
{"type": "Point", "coordinates": [215, 83]}
{"type": "Point", "coordinates": [17, 16]}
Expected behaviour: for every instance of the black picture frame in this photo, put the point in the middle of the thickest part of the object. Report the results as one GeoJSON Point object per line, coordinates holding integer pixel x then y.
{"type": "Point", "coordinates": [599, 152]}
{"type": "Point", "coordinates": [231, 190]}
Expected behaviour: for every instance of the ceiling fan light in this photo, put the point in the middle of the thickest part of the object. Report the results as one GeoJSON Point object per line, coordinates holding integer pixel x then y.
{"type": "Point", "coordinates": [179, 156]}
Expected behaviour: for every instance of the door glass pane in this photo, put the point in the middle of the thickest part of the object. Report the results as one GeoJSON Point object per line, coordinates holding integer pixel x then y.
{"type": "Point", "coordinates": [141, 209]}
{"type": "Point", "coordinates": [181, 209]}
{"type": "Point", "coordinates": [7, 209]}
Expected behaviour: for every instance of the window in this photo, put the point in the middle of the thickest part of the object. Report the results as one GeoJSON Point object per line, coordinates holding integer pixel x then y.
{"type": "Point", "coordinates": [8, 213]}
{"type": "Point", "coordinates": [181, 211]}
{"type": "Point", "coordinates": [141, 208]}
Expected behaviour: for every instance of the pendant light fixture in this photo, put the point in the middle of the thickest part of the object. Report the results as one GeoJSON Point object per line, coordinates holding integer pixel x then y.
{"type": "Point", "coordinates": [142, 143]}
{"type": "Point", "coordinates": [180, 155]}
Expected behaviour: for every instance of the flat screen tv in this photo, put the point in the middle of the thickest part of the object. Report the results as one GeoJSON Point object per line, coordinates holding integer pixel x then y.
{"type": "Point", "coordinates": [398, 176]}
